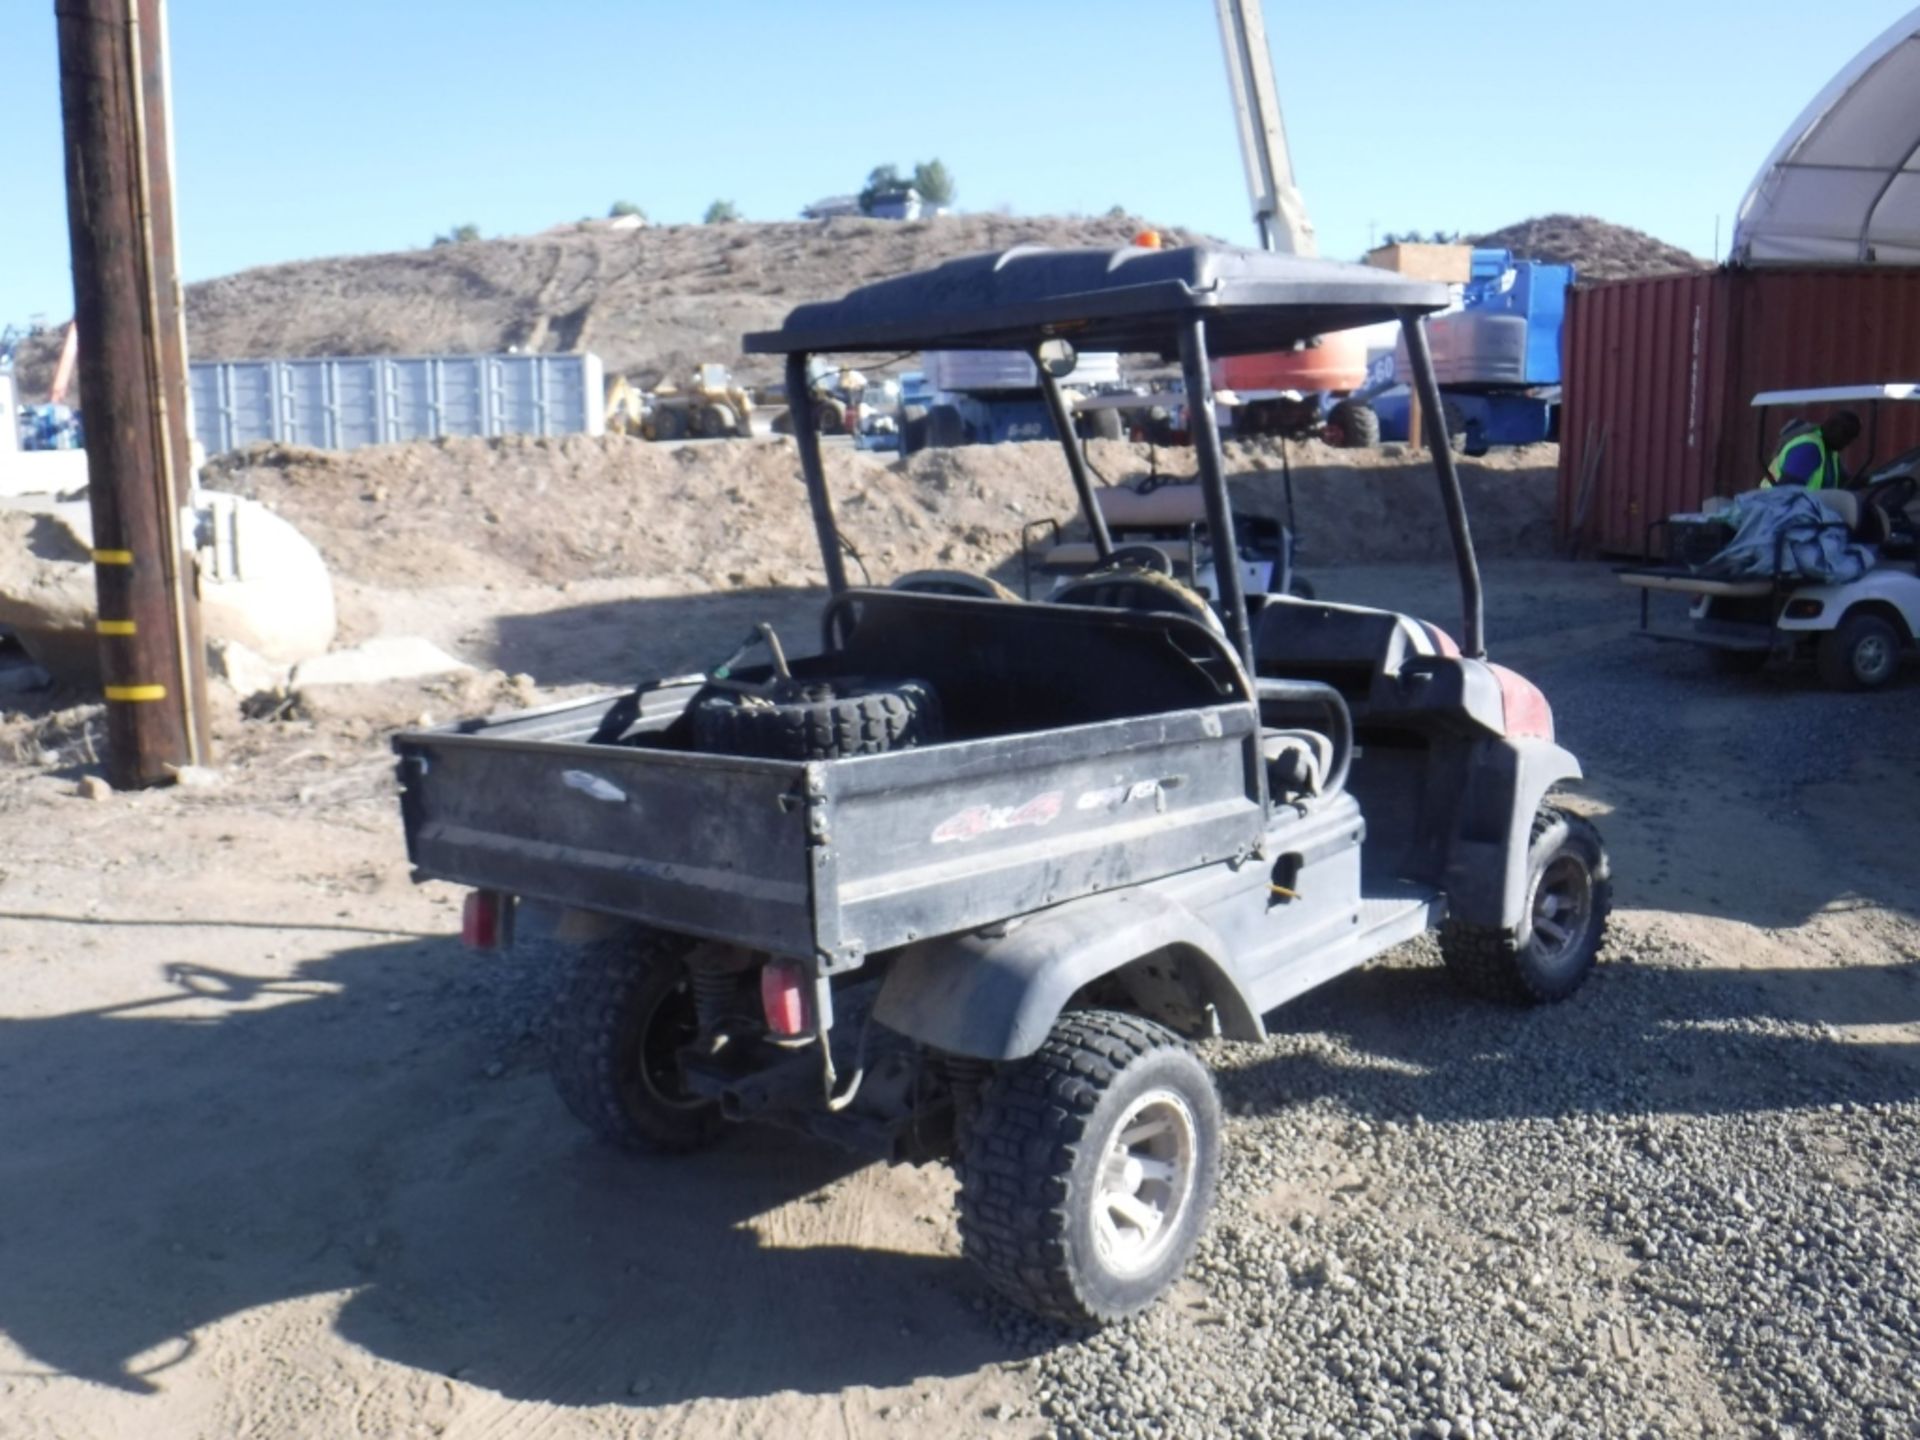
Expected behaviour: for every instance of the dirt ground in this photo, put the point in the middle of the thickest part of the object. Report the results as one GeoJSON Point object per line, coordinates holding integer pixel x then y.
{"type": "Point", "coordinates": [277, 1157]}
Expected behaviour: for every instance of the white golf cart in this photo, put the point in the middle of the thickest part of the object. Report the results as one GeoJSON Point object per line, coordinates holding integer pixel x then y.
{"type": "Point", "coordinates": [1857, 631]}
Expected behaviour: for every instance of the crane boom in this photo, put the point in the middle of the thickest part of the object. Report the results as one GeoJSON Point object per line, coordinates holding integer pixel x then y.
{"type": "Point", "coordinates": [1278, 211]}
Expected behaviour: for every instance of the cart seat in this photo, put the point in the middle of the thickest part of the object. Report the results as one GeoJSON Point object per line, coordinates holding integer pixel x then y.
{"type": "Point", "coordinates": [1071, 556]}
{"type": "Point", "coordinates": [1165, 507]}
{"type": "Point", "coordinates": [1390, 669]}
{"type": "Point", "coordinates": [1844, 505]}
{"type": "Point", "coordinates": [1350, 648]}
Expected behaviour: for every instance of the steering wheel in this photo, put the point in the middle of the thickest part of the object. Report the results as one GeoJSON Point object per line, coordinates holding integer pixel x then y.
{"type": "Point", "coordinates": [1902, 466]}
{"type": "Point", "coordinates": [1150, 558]}
{"type": "Point", "coordinates": [1126, 588]}
{"type": "Point", "coordinates": [1884, 510]}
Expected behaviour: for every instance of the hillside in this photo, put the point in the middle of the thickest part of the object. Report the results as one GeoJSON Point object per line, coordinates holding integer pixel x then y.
{"type": "Point", "coordinates": [657, 300]}
{"type": "Point", "coordinates": [1600, 250]}
{"type": "Point", "coordinates": [650, 301]}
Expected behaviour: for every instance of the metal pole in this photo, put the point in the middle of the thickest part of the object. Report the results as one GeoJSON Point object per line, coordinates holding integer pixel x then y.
{"type": "Point", "coordinates": [1474, 642]}
{"type": "Point", "coordinates": [1076, 460]}
{"type": "Point", "coordinates": [132, 383]}
{"type": "Point", "coordinates": [1205, 429]}
{"type": "Point", "coordinates": [807, 437]}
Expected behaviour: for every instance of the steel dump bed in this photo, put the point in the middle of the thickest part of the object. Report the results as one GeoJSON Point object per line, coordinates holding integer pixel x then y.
{"type": "Point", "coordinates": [1148, 770]}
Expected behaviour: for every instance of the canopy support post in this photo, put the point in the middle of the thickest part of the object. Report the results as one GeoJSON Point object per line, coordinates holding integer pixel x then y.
{"type": "Point", "coordinates": [806, 435]}
{"type": "Point", "coordinates": [1076, 459]}
{"type": "Point", "coordinates": [1474, 642]}
{"type": "Point", "coordinates": [1205, 429]}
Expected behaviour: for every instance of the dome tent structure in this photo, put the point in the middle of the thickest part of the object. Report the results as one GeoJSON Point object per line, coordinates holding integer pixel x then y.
{"type": "Point", "coordinates": [1843, 184]}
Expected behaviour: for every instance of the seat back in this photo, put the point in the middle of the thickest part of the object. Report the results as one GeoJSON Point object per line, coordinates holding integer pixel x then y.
{"type": "Point", "coordinates": [1843, 504]}
{"type": "Point", "coordinates": [1166, 507]}
{"type": "Point", "coordinates": [1352, 649]}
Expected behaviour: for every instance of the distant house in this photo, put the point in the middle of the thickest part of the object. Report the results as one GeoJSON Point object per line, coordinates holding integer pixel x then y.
{"type": "Point", "coordinates": [902, 204]}
{"type": "Point", "coordinates": [831, 206]}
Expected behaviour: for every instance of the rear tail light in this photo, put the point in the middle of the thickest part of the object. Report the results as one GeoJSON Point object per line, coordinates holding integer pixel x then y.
{"type": "Point", "coordinates": [784, 996]}
{"type": "Point", "coordinates": [486, 921]}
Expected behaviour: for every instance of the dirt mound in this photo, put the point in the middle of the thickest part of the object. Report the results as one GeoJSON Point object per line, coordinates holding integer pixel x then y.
{"type": "Point", "coordinates": [519, 511]}
{"type": "Point", "coordinates": [1600, 250]}
{"type": "Point", "coordinates": [650, 302]}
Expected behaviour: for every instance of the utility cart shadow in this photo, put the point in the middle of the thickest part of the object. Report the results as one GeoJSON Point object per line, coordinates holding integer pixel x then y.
{"type": "Point", "coordinates": [1394, 1042]}
{"type": "Point", "coordinates": [183, 1160]}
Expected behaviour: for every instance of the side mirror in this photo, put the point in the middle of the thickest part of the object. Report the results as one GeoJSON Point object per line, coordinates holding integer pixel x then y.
{"type": "Point", "coordinates": [1056, 357]}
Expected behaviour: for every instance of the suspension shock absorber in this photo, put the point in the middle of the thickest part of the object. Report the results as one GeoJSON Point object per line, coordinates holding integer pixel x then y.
{"type": "Point", "coordinates": [712, 989]}
{"type": "Point", "coordinates": [967, 1076]}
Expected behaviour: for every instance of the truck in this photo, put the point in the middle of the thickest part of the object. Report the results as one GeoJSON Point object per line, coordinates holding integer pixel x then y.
{"type": "Point", "coordinates": [969, 878]}
{"type": "Point", "coordinates": [1497, 355]}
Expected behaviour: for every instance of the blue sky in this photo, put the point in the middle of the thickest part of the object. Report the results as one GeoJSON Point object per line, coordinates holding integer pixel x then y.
{"type": "Point", "coordinates": [325, 127]}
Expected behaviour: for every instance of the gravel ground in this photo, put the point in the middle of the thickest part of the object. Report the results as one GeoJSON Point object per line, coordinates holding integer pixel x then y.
{"type": "Point", "coordinates": [1637, 1216]}
{"type": "Point", "coordinates": [1679, 1204]}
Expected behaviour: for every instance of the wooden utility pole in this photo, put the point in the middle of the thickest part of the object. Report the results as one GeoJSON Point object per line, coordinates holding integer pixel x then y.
{"type": "Point", "coordinates": [133, 383]}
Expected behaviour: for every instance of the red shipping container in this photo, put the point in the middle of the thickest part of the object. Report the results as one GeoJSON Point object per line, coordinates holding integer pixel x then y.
{"type": "Point", "coordinates": [1660, 375]}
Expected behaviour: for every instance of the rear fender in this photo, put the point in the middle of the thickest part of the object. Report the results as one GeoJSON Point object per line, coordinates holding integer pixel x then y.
{"type": "Point", "coordinates": [996, 993]}
{"type": "Point", "coordinates": [1487, 867]}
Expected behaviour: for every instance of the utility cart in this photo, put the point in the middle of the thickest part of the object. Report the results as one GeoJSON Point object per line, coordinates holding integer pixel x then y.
{"type": "Point", "coordinates": [1857, 631]}
{"type": "Point", "coordinates": [965, 880]}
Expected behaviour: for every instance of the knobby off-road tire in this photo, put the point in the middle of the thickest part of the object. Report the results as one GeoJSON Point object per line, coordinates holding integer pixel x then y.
{"type": "Point", "coordinates": [1861, 653]}
{"type": "Point", "coordinates": [841, 719]}
{"type": "Point", "coordinates": [626, 1010]}
{"type": "Point", "coordinates": [1111, 1123]}
{"type": "Point", "coordinates": [1352, 425]}
{"type": "Point", "coordinates": [670, 423]}
{"type": "Point", "coordinates": [1569, 894]}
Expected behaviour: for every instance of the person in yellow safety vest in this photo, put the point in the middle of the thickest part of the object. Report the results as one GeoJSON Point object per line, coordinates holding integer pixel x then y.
{"type": "Point", "coordinates": [1811, 456]}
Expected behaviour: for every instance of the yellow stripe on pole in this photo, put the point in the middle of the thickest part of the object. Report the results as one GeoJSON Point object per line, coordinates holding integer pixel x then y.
{"type": "Point", "coordinates": [136, 692]}
{"type": "Point", "coordinates": [113, 557]}
{"type": "Point", "coordinates": [116, 627]}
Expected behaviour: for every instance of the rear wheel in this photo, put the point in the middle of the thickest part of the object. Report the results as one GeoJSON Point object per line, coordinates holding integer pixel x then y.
{"type": "Point", "coordinates": [1549, 956]}
{"type": "Point", "coordinates": [615, 1042]}
{"type": "Point", "coordinates": [670, 423]}
{"type": "Point", "coordinates": [1863, 653]}
{"type": "Point", "coordinates": [829, 416]}
{"type": "Point", "coordinates": [1089, 1167]}
{"type": "Point", "coordinates": [946, 430]}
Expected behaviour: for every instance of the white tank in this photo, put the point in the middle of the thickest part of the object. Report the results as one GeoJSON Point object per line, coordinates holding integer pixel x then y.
{"type": "Point", "coordinates": [977, 370]}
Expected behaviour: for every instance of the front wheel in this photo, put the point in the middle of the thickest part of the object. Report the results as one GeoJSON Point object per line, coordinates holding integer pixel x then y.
{"type": "Point", "coordinates": [1089, 1168]}
{"type": "Point", "coordinates": [1352, 425]}
{"type": "Point", "coordinates": [615, 1044]}
{"type": "Point", "coordinates": [1551, 953]}
{"type": "Point", "coordinates": [1863, 653]}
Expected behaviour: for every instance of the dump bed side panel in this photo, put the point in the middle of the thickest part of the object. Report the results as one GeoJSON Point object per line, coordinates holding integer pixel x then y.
{"type": "Point", "coordinates": [934, 842]}
{"type": "Point", "coordinates": [705, 845]}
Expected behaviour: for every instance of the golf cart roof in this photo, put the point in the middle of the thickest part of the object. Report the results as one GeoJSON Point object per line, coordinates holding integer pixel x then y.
{"type": "Point", "coordinates": [1838, 394]}
{"type": "Point", "coordinates": [1129, 299]}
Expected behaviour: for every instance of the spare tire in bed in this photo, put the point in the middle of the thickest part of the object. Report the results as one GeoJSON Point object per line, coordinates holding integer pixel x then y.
{"type": "Point", "coordinates": [822, 720]}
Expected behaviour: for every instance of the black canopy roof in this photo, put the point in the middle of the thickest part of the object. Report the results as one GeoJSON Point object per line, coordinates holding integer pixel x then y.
{"type": "Point", "coordinates": [1129, 299]}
